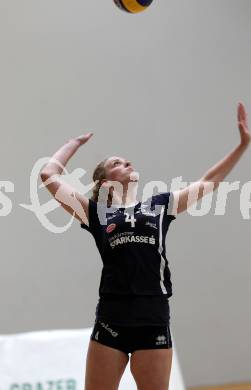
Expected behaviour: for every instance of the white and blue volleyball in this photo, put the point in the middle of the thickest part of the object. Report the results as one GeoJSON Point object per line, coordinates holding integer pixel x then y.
{"type": "Point", "coordinates": [133, 6]}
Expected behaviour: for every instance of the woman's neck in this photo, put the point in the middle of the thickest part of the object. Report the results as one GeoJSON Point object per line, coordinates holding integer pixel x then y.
{"type": "Point", "coordinates": [129, 198]}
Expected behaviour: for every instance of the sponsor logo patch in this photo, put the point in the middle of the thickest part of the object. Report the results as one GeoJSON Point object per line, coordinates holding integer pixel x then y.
{"type": "Point", "coordinates": [110, 227]}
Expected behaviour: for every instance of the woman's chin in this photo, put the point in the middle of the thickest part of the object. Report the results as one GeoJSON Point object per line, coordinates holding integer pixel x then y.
{"type": "Point", "coordinates": [134, 176]}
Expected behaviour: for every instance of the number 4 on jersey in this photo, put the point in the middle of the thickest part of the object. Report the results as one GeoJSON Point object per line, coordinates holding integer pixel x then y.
{"type": "Point", "coordinates": [130, 218]}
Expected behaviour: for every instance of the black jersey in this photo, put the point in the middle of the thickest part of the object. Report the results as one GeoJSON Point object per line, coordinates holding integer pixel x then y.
{"type": "Point", "coordinates": [136, 281]}
{"type": "Point", "coordinates": [131, 242]}
{"type": "Point", "coordinates": [135, 310]}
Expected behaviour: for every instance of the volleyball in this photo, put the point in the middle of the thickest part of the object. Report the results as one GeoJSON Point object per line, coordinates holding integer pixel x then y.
{"type": "Point", "coordinates": [133, 6]}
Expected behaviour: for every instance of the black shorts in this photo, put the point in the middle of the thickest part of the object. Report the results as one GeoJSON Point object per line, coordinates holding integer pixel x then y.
{"type": "Point", "coordinates": [131, 338]}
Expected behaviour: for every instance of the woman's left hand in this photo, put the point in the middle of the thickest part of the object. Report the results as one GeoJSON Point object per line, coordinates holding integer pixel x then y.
{"type": "Point", "coordinates": [243, 125]}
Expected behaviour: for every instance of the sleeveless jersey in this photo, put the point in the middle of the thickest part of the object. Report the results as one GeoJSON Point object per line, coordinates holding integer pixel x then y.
{"type": "Point", "coordinates": [135, 275]}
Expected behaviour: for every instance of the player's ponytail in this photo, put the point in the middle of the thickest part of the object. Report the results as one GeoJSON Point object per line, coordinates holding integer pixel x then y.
{"type": "Point", "coordinates": [99, 174]}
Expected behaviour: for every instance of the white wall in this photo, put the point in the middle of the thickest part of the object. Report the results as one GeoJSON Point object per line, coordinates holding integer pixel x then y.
{"type": "Point", "coordinates": [161, 89]}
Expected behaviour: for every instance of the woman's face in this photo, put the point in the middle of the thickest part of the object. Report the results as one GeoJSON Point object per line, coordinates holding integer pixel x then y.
{"type": "Point", "coordinates": [118, 169]}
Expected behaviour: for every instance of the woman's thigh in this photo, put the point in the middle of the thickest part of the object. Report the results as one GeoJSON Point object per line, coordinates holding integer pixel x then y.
{"type": "Point", "coordinates": [151, 357]}
{"type": "Point", "coordinates": [104, 367]}
{"type": "Point", "coordinates": [151, 368]}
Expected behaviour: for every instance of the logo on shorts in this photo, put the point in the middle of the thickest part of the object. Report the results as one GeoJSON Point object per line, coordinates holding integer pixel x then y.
{"type": "Point", "coordinates": [160, 340]}
{"type": "Point", "coordinates": [96, 335]}
{"type": "Point", "coordinates": [110, 228]}
{"type": "Point", "coordinates": [106, 326]}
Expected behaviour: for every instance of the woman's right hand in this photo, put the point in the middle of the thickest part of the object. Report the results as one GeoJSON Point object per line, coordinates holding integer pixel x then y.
{"type": "Point", "coordinates": [82, 139]}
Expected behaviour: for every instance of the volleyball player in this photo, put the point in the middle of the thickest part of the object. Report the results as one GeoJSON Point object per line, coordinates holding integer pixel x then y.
{"type": "Point", "coordinates": [132, 315]}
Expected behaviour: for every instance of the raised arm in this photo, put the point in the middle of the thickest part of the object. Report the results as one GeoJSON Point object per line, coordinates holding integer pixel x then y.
{"type": "Point", "coordinates": [71, 200]}
{"type": "Point", "coordinates": [184, 198]}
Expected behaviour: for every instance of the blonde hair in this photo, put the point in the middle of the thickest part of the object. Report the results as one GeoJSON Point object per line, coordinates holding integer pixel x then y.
{"type": "Point", "coordinates": [100, 174]}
